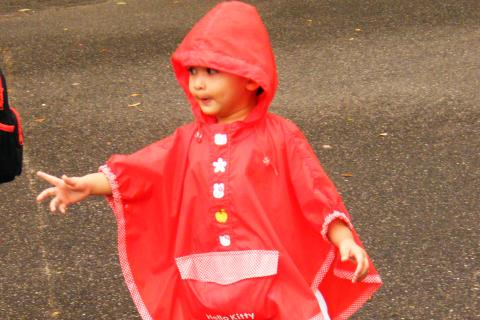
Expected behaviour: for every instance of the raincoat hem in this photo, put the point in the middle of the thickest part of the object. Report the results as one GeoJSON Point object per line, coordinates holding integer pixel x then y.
{"type": "Point", "coordinates": [358, 303]}
{"type": "Point", "coordinates": [116, 203]}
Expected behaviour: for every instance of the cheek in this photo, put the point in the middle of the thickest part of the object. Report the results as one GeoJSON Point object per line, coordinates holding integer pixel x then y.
{"type": "Point", "coordinates": [190, 85]}
{"type": "Point", "coordinates": [232, 89]}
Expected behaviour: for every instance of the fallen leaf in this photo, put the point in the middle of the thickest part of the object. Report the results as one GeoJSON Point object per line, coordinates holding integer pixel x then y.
{"type": "Point", "coordinates": [39, 120]}
{"type": "Point", "coordinates": [384, 134]}
{"type": "Point", "coordinates": [351, 39]}
{"type": "Point", "coordinates": [347, 174]}
{"type": "Point", "coordinates": [358, 29]}
{"type": "Point", "coordinates": [134, 104]}
{"type": "Point", "coordinates": [55, 314]}
{"type": "Point", "coordinates": [24, 10]}
{"type": "Point", "coordinates": [135, 94]}
{"type": "Point", "coordinates": [121, 2]}
{"type": "Point", "coordinates": [76, 84]}
{"type": "Point", "coordinates": [327, 146]}
{"type": "Point", "coordinates": [65, 29]}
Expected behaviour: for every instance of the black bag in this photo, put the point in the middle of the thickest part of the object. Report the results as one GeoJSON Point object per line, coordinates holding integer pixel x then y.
{"type": "Point", "coordinates": [11, 137]}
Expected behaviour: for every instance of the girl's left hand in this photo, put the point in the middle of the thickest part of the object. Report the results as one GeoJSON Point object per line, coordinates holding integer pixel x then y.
{"type": "Point", "coordinates": [349, 250]}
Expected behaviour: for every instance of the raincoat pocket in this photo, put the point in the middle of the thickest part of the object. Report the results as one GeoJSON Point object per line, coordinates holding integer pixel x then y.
{"type": "Point", "coordinates": [230, 284]}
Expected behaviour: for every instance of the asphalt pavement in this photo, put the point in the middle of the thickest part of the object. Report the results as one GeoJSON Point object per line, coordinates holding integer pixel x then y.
{"type": "Point", "coordinates": [386, 91]}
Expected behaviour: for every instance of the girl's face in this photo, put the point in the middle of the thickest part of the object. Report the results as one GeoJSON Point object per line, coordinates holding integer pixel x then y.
{"type": "Point", "coordinates": [223, 95]}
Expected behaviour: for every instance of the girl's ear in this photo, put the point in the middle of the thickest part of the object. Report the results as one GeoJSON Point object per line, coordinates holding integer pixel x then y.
{"type": "Point", "coordinates": [252, 85]}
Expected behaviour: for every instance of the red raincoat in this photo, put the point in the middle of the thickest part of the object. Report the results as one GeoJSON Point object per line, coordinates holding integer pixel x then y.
{"type": "Point", "coordinates": [229, 221]}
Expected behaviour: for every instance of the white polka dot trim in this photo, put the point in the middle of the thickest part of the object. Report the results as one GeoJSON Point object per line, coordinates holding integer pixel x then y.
{"type": "Point", "coordinates": [348, 275]}
{"type": "Point", "coordinates": [116, 203]}
{"type": "Point", "coordinates": [220, 139]}
{"type": "Point", "coordinates": [228, 267]}
{"type": "Point", "coordinates": [332, 217]}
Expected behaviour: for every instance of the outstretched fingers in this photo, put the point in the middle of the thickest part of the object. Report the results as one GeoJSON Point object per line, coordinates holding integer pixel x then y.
{"type": "Point", "coordinates": [50, 192]}
{"type": "Point", "coordinates": [49, 178]}
{"type": "Point", "coordinates": [54, 204]}
{"type": "Point", "coordinates": [63, 208]}
{"type": "Point", "coordinates": [59, 200]}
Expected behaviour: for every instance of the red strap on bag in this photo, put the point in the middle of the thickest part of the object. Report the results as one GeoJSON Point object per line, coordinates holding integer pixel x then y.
{"type": "Point", "coordinates": [1, 96]}
{"type": "Point", "coordinates": [19, 124]}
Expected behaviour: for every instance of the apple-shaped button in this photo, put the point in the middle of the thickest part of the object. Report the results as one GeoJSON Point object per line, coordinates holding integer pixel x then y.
{"type": "Point", "coordinates": [221, 216]}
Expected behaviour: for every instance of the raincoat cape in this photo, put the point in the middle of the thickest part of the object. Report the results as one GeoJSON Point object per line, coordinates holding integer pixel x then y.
{"type": "Point", "coordinates": [230, 221]}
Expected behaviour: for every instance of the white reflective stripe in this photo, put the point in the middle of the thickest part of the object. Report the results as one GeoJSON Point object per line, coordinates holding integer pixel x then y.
{"type": "Point", "coordinates": [228, 267]}
{"type": "Point", "coordinates": [322, 304]}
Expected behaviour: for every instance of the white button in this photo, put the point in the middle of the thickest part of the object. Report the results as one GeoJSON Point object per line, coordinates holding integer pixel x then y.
{"type": "Point", "coordinates": [218, 190]}
{"type": "Point", "coordinates": [225, 240]}
{"type": "Point", "coordinates": [220, 139]}
{"type": "Point", "coordinates": [219, 165]}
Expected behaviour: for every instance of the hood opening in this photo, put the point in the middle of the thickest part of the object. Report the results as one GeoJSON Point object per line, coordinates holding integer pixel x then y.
{"type": "Point", "coordinates": [231, 38]}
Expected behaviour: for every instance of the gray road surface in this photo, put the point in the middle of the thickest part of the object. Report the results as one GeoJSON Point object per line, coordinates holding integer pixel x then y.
{"type": "Point", "coordinates": [391, 86]}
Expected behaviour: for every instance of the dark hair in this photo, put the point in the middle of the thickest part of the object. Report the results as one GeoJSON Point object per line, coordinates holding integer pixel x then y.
{"type": "Point", "coordinates": [259, 91]}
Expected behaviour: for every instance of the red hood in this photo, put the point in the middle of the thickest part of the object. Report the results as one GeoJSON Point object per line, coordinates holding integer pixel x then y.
{"type": "Point", "coordinates": [232, 38]}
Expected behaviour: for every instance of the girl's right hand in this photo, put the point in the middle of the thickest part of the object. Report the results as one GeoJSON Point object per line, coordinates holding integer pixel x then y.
{"type": "Point", "coordinates": [65, 191]}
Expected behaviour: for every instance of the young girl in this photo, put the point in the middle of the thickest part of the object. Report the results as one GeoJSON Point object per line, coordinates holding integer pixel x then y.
{"type": "Point", "coordinates": [232, 216]}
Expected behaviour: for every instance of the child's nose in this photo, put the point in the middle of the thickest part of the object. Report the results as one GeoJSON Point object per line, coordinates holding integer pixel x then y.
{"type": "Point", "coordinates": [199, 82]}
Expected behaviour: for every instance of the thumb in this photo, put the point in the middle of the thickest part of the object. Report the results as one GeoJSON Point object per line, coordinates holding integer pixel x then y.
{"type": "Point", "coordinates": [71, 182]}
{"type": "Point", "coordinates": [344, 254]}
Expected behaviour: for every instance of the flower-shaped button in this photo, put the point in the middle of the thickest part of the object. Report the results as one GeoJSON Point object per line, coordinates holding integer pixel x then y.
{"type": "Point", "coordinates": [218, 190]}
{"type": "Point", "coordinates": [219, 165]}
{"type": "Point", "coordinates": [220, 139]}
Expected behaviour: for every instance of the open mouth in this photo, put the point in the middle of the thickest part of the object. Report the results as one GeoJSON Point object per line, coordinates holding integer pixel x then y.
{"type": "Point", "coordinates": [205, 100]}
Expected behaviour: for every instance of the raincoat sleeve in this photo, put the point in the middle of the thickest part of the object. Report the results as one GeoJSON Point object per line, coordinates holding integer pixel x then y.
{"type": "Point", "coordinates": [319, 200]}
{"type": "Point", "coordinates": [321, 204]}
{"type": "Point", "coordinates": [134, 176]}
{"type": "Point", "coordinates": [144, 187]}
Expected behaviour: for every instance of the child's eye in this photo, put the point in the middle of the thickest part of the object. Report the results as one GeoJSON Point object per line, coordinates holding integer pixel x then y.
{"type": "Point", "coordinates": [211, 71]}
{"type": "Point", "coordinates": [192, 70]}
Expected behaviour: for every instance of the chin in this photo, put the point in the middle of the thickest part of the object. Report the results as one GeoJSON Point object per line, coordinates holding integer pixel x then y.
{"type": "Point", "coordinates": [209, 112]}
